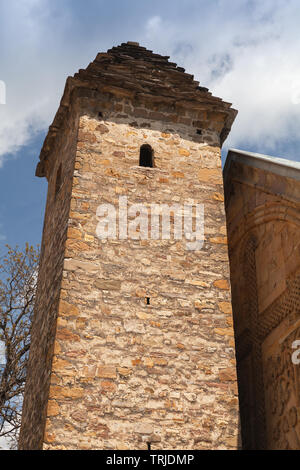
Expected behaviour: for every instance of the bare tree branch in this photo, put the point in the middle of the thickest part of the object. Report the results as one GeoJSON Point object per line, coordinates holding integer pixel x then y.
{"type": "Point", "coordinates": [18, 276]}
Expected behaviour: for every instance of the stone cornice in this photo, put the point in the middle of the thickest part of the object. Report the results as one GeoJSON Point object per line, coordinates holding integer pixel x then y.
{"type": "Point", "coordinates": [135, 73]}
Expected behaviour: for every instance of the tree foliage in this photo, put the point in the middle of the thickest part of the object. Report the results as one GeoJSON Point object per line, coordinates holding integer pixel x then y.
{"type": "Point", "coordinates": [18, 277]}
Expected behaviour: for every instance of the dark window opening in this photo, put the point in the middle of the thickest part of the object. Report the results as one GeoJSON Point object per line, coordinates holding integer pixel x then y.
{"type": "Point", "coordinates": [100, 114]}
{"type": "Point", "coordinates": [199, 132]}
{"type": "Point", "coordinates": [148, 300]}
{"type": "Point", "coordinates": [58, 180]}
{"type": "Point", "coordinates": [146, 156]}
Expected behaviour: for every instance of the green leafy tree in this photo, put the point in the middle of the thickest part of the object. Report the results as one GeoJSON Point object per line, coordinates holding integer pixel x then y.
{"type": "Point", "coordinates": [18, 277]}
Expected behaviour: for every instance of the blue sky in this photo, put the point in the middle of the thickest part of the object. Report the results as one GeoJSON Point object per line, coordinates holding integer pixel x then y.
{"type": "Point", "coordinates": [245, 51]}
{"type": "Point", "coordinates": [23, 195]}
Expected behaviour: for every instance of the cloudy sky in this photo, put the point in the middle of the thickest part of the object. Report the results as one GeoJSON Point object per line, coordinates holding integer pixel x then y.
{"type": "Point", "coordinates": [245, 51]}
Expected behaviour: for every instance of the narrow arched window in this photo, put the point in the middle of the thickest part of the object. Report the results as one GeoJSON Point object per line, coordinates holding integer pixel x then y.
{"type": "Point", "coordinates": [146, 156]}
{"type": "Point", "coordinates": [58, 180]}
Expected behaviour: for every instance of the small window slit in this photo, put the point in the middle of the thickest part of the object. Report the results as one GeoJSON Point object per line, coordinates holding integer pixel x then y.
{"type": "Point", "coordinates": [146, 156]}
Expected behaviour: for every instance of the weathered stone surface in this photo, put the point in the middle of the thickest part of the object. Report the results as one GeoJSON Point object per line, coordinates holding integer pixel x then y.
{"type": "Point", "coordinates": [222, 284]}
{"type": "Point", "coordinates": [131, 338]}
{"type": "Point", "coordinates": [67, 310]}
{"type": "Point", "coordinates": [210, 175]}
{"type": "Point", "coordinates": [65, 393]}
{"type": "Point", "coordinates": [107, 372]}
{"type": "Point", "coordinates": [102, 129]}
{"type": "Point", "coordinates": [225, 307]}
{"type": "Point", "coordinates": [228, 375]}
{"type": "Point", "coordinates": [263, 218]}
{"type": "Point", "coordinates": [144, 428]}
{"type": "Point", "coordinates": [105, 284]}
{"type": "Point", "coordinates": [53, 408]}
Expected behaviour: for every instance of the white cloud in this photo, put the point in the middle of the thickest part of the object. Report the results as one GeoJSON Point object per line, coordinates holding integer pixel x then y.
{"type": "Point", "coordinates": [2, 353]}
{"type": "Point", "coordinates": [3, 441]}
{"type": "Point", "coordinates": [4, 445]}
{"type": "Point", "coordinates": [245, 51]}
{"type": "Point", "coordinates": [153, 25]}
{"type": "Point", "coordinates": [248, 55]}
{"type": "Point", "coordinates": [34, 69]}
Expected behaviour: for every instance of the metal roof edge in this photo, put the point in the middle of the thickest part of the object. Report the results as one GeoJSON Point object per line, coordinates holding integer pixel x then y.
{"type": "Point", "coordinates": [277, 165]}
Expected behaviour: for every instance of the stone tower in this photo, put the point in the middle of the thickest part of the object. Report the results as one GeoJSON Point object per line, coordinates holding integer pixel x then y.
{"type": "Point", "coordinates": [132, 339]}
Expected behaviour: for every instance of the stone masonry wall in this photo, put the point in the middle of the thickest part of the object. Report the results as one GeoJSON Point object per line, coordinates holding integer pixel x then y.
{"type": "Point", "coordinates": [263, 229]}
{"type": "Point", "coordinates": [49, 284]}
{"type": "Point", "coordinates": [125, 373]}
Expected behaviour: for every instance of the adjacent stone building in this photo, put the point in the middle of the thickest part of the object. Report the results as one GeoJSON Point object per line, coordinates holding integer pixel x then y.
{"type": "Point", "coordinates": [263, 217]}
{"type": "Point", "coordinates": [132, 338]}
